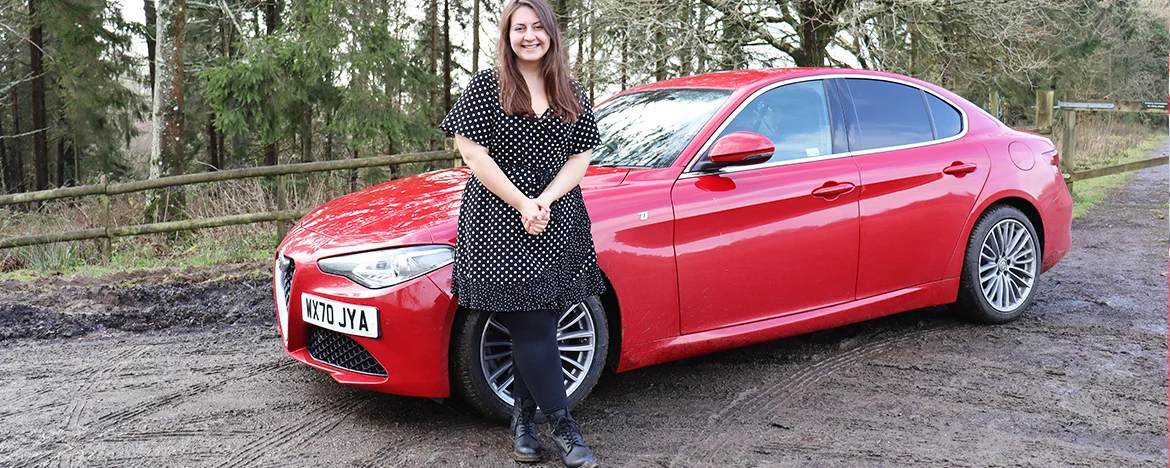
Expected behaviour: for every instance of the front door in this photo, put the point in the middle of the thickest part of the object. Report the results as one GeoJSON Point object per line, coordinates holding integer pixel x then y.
{"type": "Point", "coordinates": [755, 242]}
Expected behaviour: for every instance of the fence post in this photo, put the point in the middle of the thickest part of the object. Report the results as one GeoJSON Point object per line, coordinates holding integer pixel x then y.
{"type": "Point", "coordinates": [993, 105]}
{"type": "Point", "coordinates": [281, 228]}
{"type": "Point", "coordinates": [104, 203]}
{"type": "Point", "coordinates": [1070, 144]}
{"type": "Point", "coordinates": [1044, 111]}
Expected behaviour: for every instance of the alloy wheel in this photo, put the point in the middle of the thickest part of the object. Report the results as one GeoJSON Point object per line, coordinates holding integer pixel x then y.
{"type": "Point", "coordinates": [576, 340]}
{"type": "Point", "coordinates": [1007, 265]}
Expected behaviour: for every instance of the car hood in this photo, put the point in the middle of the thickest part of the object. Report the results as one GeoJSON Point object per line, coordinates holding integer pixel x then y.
{"type": "Point", "coordinates": [403, 209]}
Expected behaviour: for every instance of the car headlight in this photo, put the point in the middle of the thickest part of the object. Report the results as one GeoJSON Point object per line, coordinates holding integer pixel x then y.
{"type": "Point", "coordinates": [382, 268]}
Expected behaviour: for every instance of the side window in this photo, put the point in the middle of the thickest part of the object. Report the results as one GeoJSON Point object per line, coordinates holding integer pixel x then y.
{"type": "Point", "coordinates": [888, 114]}
{"type": "Point", "coordinates": [795, 117]}
{"type": "Point", "coordinates": [948, 122]}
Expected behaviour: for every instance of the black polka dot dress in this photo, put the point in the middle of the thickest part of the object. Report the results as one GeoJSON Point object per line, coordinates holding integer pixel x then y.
{"type": "Point", "coordinates": [498, 265]}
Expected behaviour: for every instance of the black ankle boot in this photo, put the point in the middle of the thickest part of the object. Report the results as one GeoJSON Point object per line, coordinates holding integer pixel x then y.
{"type": "Point", "coordinates": [525, 446]}
{"type": "Point", "coordinates": [570, 446]}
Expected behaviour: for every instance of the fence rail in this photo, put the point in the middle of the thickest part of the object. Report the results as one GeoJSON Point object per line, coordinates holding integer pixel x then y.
{"type": "Point", "coordinates": [104, 190]}
{"type": "Point", "coordinates": [1043, 124]}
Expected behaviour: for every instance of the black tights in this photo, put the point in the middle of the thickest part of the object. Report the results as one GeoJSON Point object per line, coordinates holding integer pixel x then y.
{"type": "Point", "coordinates": [536, 359]}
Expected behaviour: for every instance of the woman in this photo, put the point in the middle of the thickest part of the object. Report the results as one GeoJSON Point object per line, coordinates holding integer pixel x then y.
{"type": "Point", "coordinates": [524, 248]}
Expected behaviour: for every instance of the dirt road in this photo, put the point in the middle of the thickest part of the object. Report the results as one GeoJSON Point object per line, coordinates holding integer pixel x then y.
{"type": "Point", "coordinates": [191, 374]}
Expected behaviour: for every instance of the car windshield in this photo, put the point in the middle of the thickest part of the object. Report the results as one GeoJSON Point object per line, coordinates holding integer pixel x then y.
{"type": "Point", "coordinates": [651, 128]}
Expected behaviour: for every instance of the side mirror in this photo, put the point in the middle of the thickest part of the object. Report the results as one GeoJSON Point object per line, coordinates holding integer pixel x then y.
{"type": "Point", "coordinates": [738, 149]}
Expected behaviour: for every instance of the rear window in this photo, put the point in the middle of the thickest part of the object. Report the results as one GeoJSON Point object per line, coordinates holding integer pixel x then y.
{"type": "Point", "coordinates": [948, 121]}
{"type": "Point", "coordinates": [888, 114]}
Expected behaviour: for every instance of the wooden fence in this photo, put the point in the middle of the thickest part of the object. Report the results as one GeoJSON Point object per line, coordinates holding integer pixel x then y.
{"type": "Point", "coordinates": [104, 189]}
{"type": "Point", "coordinates": [1044, 115]}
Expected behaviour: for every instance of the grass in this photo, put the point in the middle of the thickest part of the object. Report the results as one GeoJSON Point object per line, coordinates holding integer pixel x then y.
{"type": "Point", "coordinates": [1102, 141]}
{"type": "Point", "coordinates": [167, 254]}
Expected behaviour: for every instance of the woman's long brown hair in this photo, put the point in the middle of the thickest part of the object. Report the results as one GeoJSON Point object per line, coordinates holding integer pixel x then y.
{"type": "Point", "coordinates": [514, 96]}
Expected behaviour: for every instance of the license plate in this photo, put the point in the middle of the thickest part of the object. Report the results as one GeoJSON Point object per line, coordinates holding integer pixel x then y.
{"type": "Point", "coordinates": [340, 317]}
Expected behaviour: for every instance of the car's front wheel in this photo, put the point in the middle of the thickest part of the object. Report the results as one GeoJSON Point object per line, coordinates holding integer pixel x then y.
{"type": "Point", "coordinates": [1000, 268]}
{"type": "Point", "coordinates": [481, 356]}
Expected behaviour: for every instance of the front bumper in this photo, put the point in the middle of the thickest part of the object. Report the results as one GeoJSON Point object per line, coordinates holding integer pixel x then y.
{"type": "Point", "coordinates": [414, 317]}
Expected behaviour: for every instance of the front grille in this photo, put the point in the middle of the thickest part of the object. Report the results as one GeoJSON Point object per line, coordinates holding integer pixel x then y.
{"type": "Point", "coordinates": [341, 351]}
{"type": "Point", "coordinates": [287, 268]}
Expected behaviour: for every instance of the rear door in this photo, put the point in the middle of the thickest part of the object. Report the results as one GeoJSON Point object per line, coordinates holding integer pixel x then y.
{"type": "Point", "coordinates": [919, 181]}
{"type": "Point", "coordinates": [754, 242]}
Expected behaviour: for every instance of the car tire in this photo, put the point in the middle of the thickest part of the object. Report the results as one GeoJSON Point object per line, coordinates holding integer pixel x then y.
{"type": "Point", "coordinates": [1000, 267]}
{"type": "Point", "coordinates": [475, 334]}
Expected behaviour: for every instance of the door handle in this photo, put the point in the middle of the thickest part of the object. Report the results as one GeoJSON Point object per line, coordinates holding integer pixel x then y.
{"type": "Point", "coordinates": [960, 168]}
{"type": "Point", "coordinates": [833, 191]}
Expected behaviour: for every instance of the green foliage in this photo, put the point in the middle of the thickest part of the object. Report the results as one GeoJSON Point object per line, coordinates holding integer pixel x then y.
{"type": "Point", "coordinates": [332, 56]}
{"type": "Point", "coordinates": [88, 66]}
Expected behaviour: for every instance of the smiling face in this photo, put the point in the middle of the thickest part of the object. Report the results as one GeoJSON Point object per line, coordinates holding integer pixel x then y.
{"type": "Point", "coordinates": [529, 39]}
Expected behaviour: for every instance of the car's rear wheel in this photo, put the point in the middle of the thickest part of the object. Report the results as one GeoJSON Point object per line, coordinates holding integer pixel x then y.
{"type": "Point", "coordinates": [481, 356]}
{"type": "Point", "coordinates": [1000, 268]}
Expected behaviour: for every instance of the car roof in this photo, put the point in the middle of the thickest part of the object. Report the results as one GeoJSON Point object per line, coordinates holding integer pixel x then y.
{"type": "Point", "coordinates": [750, 79]}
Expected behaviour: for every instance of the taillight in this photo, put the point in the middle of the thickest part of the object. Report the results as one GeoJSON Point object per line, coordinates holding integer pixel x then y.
{"type": "Point", "coordinates": [1052, 156]}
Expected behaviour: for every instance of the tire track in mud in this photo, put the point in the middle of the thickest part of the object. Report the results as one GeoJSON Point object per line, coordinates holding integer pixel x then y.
{"type": "Point", "coordinates": [94, 375]}
{"type": "Point", "coordinates": [110, 421]}
{"type": "Point", "coordinates": [394, 455]}
{"type": "Point", "coordinates": [760, 405]}
{"type": "Point", "coordinates": [144, 436]}
{"type": "Point", "coordinates": [297, 432]}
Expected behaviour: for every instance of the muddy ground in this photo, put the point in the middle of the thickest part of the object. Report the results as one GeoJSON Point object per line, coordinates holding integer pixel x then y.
{"type": "Point", "coordinates": [190, 373]}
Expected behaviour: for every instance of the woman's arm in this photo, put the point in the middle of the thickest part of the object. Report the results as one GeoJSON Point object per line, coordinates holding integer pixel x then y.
{"type": "Point", "coordinates": [489, 174]}
{"type": "Point", "coordinates": [567, 178]}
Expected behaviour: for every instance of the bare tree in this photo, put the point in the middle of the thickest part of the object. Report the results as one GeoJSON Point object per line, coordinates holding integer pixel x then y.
{"type": "Point", "coordinates": [36, 63]}
{"type": "Point", "coordinates": [151, 21]}
{"type": "Point", "coordinates": [166, 155]}
{"type": "Point", "coordinates": [15, 170]}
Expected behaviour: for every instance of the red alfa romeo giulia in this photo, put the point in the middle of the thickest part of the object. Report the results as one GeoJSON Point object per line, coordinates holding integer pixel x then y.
{"type": "Point", "coordinates": [728, 209]}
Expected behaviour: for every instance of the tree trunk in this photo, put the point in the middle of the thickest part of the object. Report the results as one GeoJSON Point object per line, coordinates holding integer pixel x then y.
{"type": "Point", "coordinates": [167, 142]}
{"type": "Point", "coordinates": [625, 57]}
{"type": "Point", "coordinates": [148, 7]}
{"type": "Point", "coordinates": [7, 169]}
{"type": "Point", "coordinates": [446, 56]}
{"type": "Point", "coordinates": [592, 52]}
{"type": "Point", "coordinates": [581, 45]}
{"type": "Point", "coordinates": [271, 16]}
{"type": "Point", "coordinates": [18, 155]}
{"type": "Point", "coordinates": [817, 29]}
{"type": "Point", "coordinates": [734, 37]}
{"type": "Point", "coordinates": [660, 55]}
{"type": "Point", "coordinates": [271, 24]}
{"type": "Point", "coordinates": [701, 67]}
{"type": "Point", "coordinates": [307, 135]}
{"type": "Point", "coordinates": [353, 175]}
{"type": "Point", "coordinates": [40, 138]}
{"type": "Point", "coordinates": [432, 94]}
{"type": "Point", "coordinates": [475, 37]}
{"type": "Point", "coordinates": [270, 154]}
{"type": "Point", "coordinates": [220, 149]}
{"type": "Point", "coordinates": [686, 51]}
{"type": "Point", "coordinates": [329, 135]}
{"type": "Point", "coordinates": [60, 162]}
{"type": "Point", "coordinates": [212, 147]}
{"type": "Point", "coordinates": [560, 9]}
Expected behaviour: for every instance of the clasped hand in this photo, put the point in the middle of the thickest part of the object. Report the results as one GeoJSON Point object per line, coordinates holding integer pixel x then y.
{"type": "Point", "coordinates": [535, 213]}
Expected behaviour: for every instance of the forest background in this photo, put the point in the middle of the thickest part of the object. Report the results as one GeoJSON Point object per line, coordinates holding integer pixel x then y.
{"type": "Point", "coordinates": [242, 83]}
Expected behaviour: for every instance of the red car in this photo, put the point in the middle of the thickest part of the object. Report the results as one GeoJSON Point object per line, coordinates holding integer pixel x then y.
{"type": "Point", "coordinates": [728, 209]}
